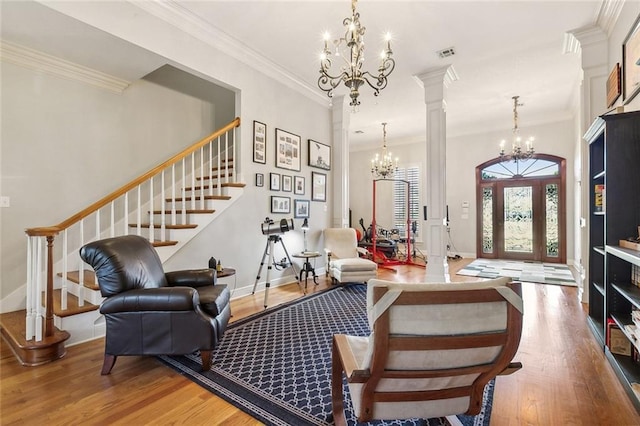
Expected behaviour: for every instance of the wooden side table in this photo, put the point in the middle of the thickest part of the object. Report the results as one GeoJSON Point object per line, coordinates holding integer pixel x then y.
{"type": "Point", "coordinates": [226, 272]}
{"type": "Point", "coordinates": [307, 267]}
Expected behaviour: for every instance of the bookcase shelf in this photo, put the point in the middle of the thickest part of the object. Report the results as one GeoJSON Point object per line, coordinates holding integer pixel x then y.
{"type": "Point", "coordinates": [614, 159]}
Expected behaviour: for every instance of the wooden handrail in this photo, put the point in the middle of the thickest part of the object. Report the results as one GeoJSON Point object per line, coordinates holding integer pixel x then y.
{"type": "Point", "coordinates": [54, 230]}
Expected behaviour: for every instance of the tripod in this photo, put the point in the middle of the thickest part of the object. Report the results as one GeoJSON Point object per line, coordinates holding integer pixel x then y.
{"type": "Point", "coordinates": [268, 250]}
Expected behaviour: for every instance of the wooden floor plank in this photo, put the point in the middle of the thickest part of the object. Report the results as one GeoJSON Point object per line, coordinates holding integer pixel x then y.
{"type": "Point", "coordinates": [566, 379]}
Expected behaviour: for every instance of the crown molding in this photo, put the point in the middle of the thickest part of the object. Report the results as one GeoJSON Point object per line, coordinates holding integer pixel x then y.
{"type": "Point", "coordinates": [39, 61]}
{"type": "Point", "coordinates": [575, 40]}
{"type": "Point", "coordinates": [608, 14]}
{"type": "Point", "coordinates": [177, 15]}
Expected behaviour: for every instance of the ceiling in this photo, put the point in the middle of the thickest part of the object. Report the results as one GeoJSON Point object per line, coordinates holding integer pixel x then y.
{"type": "Point", "coordinates": [503, 48]}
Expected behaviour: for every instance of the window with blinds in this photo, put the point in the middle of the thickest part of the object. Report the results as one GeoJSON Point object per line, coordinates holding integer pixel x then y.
{"type": "Point", "coordinates": [411, 175]}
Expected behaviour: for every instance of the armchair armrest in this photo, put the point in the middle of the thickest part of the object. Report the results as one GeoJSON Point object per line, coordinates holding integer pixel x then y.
{"type": "Point", "coordinates": [363, 252]}
{"type": "Point", "coordinates": [511, 368]}
{"type": "Point", "coordinates": [192, 278]}
{"type": "Point", "coordinates": [152, 299]}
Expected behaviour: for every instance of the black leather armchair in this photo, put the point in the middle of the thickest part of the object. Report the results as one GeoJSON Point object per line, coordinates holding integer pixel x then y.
{"type": "Point", "coordinates": [150, 312]}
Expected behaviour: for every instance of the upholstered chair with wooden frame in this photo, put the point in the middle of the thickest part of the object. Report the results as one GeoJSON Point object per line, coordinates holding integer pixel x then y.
{"type": "Point", "coordinates": [433, 349]}
{"type": "Point", "coordinates": [344, 261]}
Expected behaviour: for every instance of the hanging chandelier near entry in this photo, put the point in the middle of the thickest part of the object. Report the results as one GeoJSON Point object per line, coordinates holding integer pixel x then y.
{"type": "Point", "coordinates": [384, 166]}
{"type": "Point", "coordinates": [518, 151]}
{"type": "Point", "coordinates": [351, 49]}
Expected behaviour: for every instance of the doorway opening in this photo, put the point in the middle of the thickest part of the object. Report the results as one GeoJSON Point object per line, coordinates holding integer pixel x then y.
{"type": "Point", "coordinates": [521, 209]}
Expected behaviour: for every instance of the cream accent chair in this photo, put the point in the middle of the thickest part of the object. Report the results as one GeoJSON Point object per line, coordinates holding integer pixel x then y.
{"type": "Point", "coordinates": [344, 264]}
{"type": "Point", "coordinates": [433, 349]}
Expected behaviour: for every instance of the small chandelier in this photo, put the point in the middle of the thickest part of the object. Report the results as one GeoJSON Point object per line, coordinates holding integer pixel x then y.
{"type": "Point", "coordinates": [384, 167]}
{"type": "Point", "coordinates": [518, 153]}
{"type": "Point", "coordinates": [351, 49]}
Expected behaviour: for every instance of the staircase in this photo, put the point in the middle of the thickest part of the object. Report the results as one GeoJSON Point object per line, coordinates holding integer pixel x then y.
{"type": "Point", "coordinates": [169, 205]}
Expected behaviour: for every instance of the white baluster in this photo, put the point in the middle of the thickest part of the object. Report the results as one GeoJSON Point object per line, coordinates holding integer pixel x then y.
{"type": "Point", "coordinates": [139, 212]}
{"type": "Point", "coordinates": [65, 289]}
{"type": "Point", "coordinates": [126, 214]}
{"type": "Point", "coordinates": [233, 154]}
{"type": "Point", "coordinates": [81, 268]}
{"type": "Point", "coordinates": [193, 181]}
{"type": "Point", "coordinates": [98, 231]}
{"type": "Point", "coordinates": [151, 237]}
{"type": "Point", "coordinates": [210, 167]}
{"type": "Point", "coordinates": [30, 318]}
{"type": "Point", "coordinates": [219, 167]}
{"type": "Point", "coordinates": [38, 294]}
{"type": "Point", "coordinates": [112, 233]}
{"type": "Point", "coordinates": [184, 193]}
{"type": "Point", "coordinates": [173, 194]}
{"type": "Point", "coordinates": [202, 179]}
{"type": "Point", "coordinates": [162, 208]}
{"type": "Point", "coordinates": [226, 157]}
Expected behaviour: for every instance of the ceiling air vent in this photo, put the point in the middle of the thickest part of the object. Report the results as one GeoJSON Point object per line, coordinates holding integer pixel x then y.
{"type": "Point", "coordinates": [445, 53]}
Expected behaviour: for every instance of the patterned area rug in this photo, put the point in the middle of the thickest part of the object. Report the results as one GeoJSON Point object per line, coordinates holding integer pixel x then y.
{"type": "Point", "coordinates": [276, 365]}
{"type": "Point", "coordinates": [533, 272]}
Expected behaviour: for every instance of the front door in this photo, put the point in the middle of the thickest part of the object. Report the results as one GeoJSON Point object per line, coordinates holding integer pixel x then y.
{"type": "Point", "coordinates": [521, 210]}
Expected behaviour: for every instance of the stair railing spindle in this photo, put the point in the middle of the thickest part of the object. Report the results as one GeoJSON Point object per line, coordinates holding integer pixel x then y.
{"type": "Point", "coordinates": [226, 157]}
{"type": "Point", "coordinates": [173, 195]}
{"type": "Point", "coordinates": [38, 296]}
{"type": "Point", "coordinates": [81, 268]}
{"type": "Point", "coordinates": [125, 228]}
{"type": "Point", "coordinates": [112, 227]}
{"type": "Point", "coordinates": [30, 317]}
{"type": "Point", "coordinates": [234, 171]}
{"type": "Point", "coordinates": [218, 168]}
{"type": "Point", "coordinates": [65, 289]}
{"type": "Point", "coordinates": [202, 175]}
{"type": "Point", "coordinates": [193, 180]}
{"type": "Point", "coordinates": [183, 207]}
{"type": "Point", "coordinates": [210, 166]}
{"type": "Point", "coordinates": [163, 224]}
{"type": "Point", "coordinates": [151, 228]}
{"type": "Point", "coordinates": [139, 211]}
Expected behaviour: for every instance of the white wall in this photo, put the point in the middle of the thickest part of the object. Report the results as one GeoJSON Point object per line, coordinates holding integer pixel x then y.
{"type": "Point", "coordinates": [66, 144]}
{"type": "Point", "coordinates": [235, 238]}
{"type": "Point", "coordinates": [464, 153]}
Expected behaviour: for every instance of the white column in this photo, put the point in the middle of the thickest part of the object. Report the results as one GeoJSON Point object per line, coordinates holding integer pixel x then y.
{"type": "Point", "coordinates": [434, 82]}
{"type": "Point", "coordinates": [591, 44]}
{"type": "Point", "coordinates": [340, 119]}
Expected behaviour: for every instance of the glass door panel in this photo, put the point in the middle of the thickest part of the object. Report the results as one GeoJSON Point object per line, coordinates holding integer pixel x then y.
{"type": "Point", "coordinates": [518, 219]}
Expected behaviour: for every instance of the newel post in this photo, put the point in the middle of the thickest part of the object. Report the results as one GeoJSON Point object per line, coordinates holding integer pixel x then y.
{"type": "Point", "coordinates": [48, 319]}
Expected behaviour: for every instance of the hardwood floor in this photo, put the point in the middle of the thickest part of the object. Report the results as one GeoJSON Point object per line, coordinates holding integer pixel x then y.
{"type": "Point", "coordinates": [565, 380]}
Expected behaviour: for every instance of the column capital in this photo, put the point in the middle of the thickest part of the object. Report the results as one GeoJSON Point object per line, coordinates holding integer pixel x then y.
{"type": "Point", "coordinates": [435, 80]}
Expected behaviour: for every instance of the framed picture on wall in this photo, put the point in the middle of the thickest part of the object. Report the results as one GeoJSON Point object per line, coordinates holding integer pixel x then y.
{"type": "Point", "coordinates": [318, 186]}
{"type": "Point", "coordinates": [287, 150]}
{"type": "Point", "coordinates": [319, 155]}
{"type": "Point", "coordinates": [301, 209]}
{"type": "Point", "coordinates": [631, 63]}
{"type": "Point", "coordinates": [274, 183]}
{"type": "Point", "coordinates": [280, 204]}
{"type": "Point", "coordinates": [298, 185]}
{"type": "Point", "coordinates": [287, 182]}
{"type": "Point", "coordinates": [259, 142]}
{"type": "Point", "coordinates": [259, 179]}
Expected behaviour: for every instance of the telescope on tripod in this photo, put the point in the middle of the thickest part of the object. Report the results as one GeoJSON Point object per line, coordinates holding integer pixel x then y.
{"type": "Point", "coordinates": [273, 233]}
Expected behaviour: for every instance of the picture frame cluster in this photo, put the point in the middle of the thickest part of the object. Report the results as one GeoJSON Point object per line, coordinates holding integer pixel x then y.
{"type": "Point", "coordinates": [288, 155]}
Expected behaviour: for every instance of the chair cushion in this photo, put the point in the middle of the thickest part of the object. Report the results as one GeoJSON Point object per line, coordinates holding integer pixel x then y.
{"type": "Point", "coordinates": [214, 298]}
{"type": "Point", "coordinates": [354, 264]}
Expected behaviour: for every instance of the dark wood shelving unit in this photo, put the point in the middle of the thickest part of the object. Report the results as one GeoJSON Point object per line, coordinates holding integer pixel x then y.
{"type": "Point", "coordinates": [614, 165]}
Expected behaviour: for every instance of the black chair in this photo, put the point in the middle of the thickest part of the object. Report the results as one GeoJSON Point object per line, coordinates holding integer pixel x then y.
{"type": "Point", "coordinates": [150, 312]}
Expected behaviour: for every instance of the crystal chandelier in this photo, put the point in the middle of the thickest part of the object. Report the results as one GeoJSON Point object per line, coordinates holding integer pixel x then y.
{"type": "Point", "coordinates": [351, 49]}
{"type": "Point", "coordinates": [384, 167]}
{"type": "Point", "coordinates": [518, 153]}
